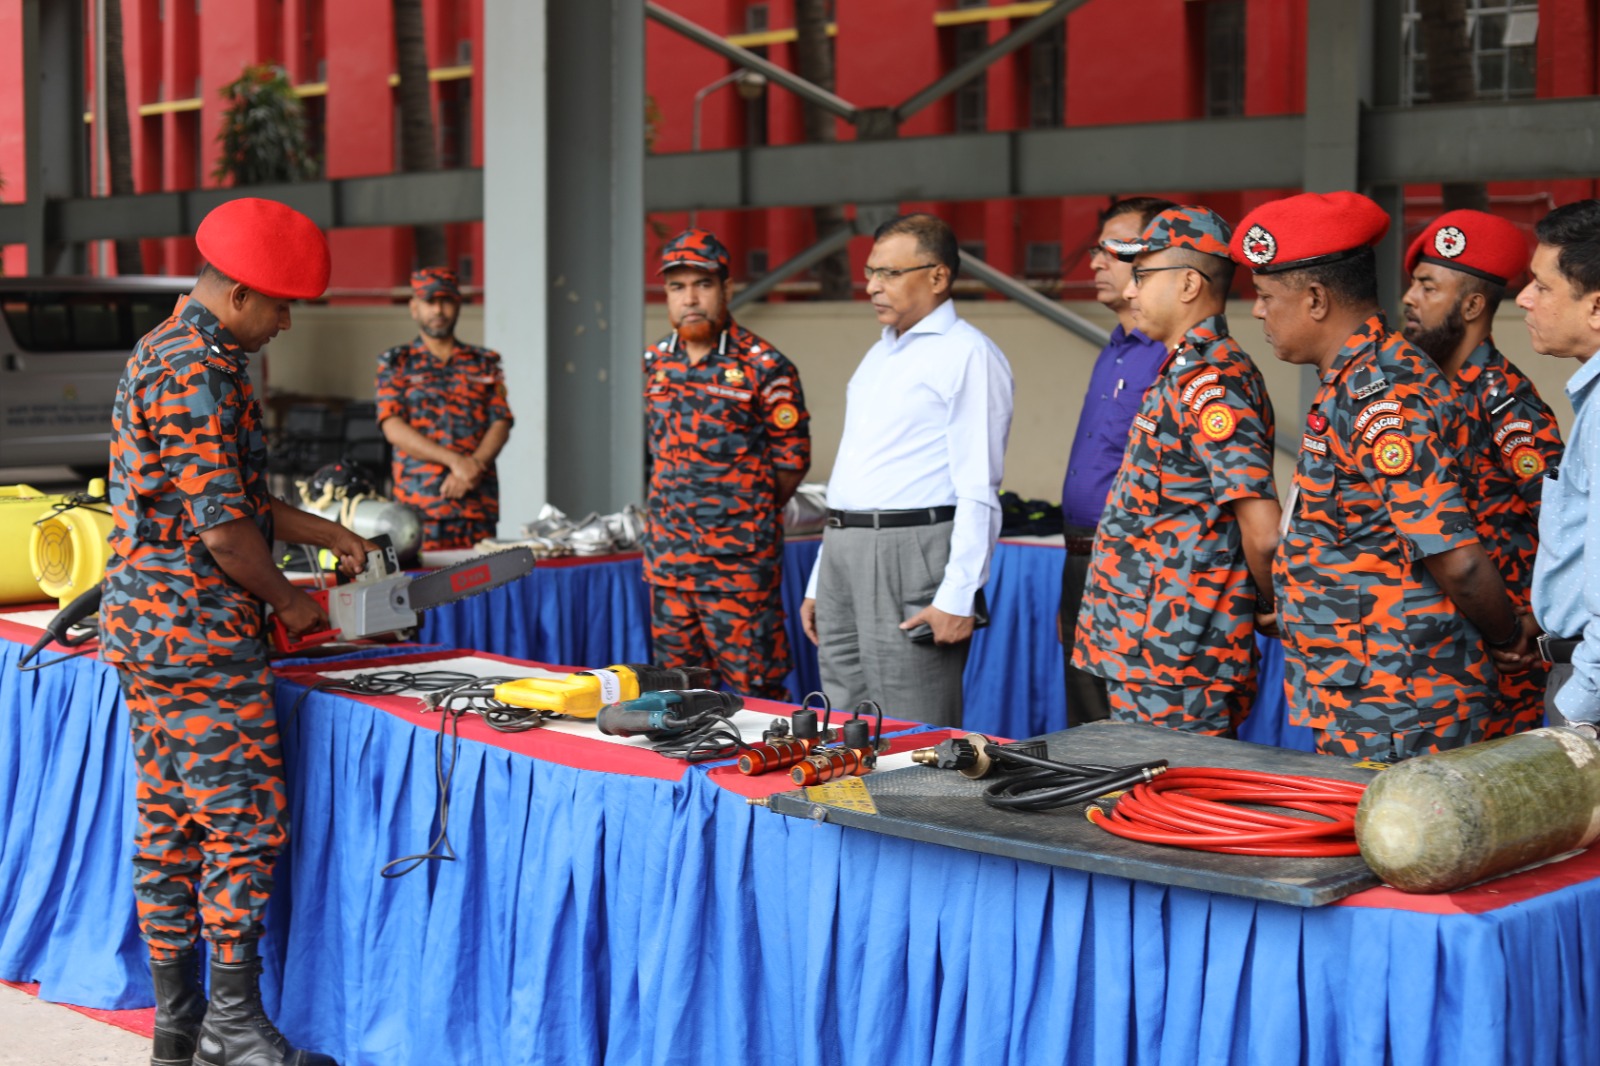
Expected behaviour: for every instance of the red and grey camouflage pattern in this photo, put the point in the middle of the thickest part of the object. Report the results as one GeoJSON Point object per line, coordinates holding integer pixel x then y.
{"type": "Point", "coordinates": [1170, 602]}
{"type": "Point", "coordinates": [1373, 646]}
{"type": "Point", "coordinates": [717, 433]}
{"type": "Point", "coordinates": [210, 789]}
{"type": "Point", "coordinates": [1512, 442]}
{"type": "Point", "coordinates": [453, 404]}
{"type": "Point", "coordinates": [187, 454]}
{"type": "Point", "coordinates": [740, 635]}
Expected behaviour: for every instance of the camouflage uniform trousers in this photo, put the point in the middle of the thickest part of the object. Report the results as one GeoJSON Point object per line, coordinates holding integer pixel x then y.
{"type": "Point", "coordinates": [1518, 703]}
{"type": "Point", "coordinates": [1397, 747]}
{"type": "Point", "coordinates": [740, 635]}
{"type": "Point", "coordinates": [445, 534]}
{"type": "Point", "coordinates": [211, 798]}
{"type": "Point", "coordinates": [1213, 710]}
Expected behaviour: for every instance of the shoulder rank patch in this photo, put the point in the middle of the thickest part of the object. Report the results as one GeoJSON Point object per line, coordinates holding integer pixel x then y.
{"type": "Point", "coordinates": [1392, 454]}
{"type": "Point", "coordinates": [1527, 462]}
{"type": "Point", "coordinates": [1218, 421]}
{"type": "Point", "coordinates": [1371, 388]}
{"type": "Point", "coordinates": [785, 415]}
{"type": "Point", "coordinates": [1516, 425]}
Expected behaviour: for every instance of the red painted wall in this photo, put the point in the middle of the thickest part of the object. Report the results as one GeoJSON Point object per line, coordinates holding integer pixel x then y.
{"type": "Point", "coordinates": [886, 50]}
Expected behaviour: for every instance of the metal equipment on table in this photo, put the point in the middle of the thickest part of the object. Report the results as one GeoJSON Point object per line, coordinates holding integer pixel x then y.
{"type": "Point", "coordinates": [923, 803]}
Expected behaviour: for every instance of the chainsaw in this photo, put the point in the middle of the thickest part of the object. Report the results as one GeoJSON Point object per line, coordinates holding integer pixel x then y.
{"type": "Point", "coordinates": [383, 600]}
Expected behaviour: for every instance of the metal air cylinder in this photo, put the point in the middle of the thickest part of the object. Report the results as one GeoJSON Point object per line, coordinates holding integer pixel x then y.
{"type": "Point", "coordinates": [1440, 822]}
{"type": "Point", "coordinates": [371, 517]}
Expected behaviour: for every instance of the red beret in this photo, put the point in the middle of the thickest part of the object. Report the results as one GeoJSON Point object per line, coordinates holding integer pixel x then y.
{"type": "Point", "coordinates": [1307, 230]}
{"type": "Point", "coordinates": [267, 246]}
{"type": "Point", "coordinates": [1472, 242]}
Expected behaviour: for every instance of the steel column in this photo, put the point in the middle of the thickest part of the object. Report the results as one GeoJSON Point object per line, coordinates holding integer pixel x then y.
{"type": "Point", "coordinates": [833, 242]}
{"type": "Point", "coordinates": [52, 86]}
{"type": "Point", "coordinates": [512, 191]}
{"type": "Point", "coordinates": [595, 220]}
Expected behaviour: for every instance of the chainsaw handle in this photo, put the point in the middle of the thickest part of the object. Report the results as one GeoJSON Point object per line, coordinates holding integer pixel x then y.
{"type": "Point", "coordinates": [283, 641]}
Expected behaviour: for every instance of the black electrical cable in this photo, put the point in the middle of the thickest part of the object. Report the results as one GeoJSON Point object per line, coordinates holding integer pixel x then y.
{"type": "Point", "coordinates": [1037, 784]}
{"type": "Point", "coordinates": [712, 737]}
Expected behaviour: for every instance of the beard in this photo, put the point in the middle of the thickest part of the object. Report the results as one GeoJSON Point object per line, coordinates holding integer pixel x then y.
{"type": "Point", "coordinates": [1440, 342]}
{"type": "Point", "coordinates": [440, 333]}
{"type": "Point", "coordinates": [700, 331]}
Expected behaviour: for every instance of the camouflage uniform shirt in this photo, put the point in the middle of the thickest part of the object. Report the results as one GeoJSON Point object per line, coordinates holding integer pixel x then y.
{"type": "Point", "coordinates": [718, 431]}
{"type": "Point", "coordinates": [1170, 599]}
{"type": "Point", "coordinates": [452, 403]}
{"type": "Point", "coordinates": [187, 454]}
{"type": "Point", "coordinates": [1372, 643]}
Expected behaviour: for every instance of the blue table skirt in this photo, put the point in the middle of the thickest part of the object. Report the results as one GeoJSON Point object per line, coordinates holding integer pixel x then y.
{"type": "Point", "coordinates": [599, 613]}
{"type": "Point", "coordinates": [597, 918]}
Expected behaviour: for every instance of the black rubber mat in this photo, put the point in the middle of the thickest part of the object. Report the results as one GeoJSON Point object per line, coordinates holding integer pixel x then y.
{"type": "Point", "coordinates": [943, 807]}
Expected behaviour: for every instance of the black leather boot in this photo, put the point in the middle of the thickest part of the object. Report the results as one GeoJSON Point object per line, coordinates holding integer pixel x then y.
{"type": "Point", "coordinates": [237, 1031]}
{"type": "Point", "coordinates": [180, 1004]}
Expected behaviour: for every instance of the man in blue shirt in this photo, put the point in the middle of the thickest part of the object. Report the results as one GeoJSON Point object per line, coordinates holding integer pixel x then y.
{"type": "Point", "coordinates": [1124, 369]}
{"type": "Point", "coordinates": [1563, 316]}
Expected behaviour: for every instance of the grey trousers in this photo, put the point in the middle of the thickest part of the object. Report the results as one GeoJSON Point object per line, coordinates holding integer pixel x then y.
{"type": "Point", "coordinates": [872, 580]}
{"type": "Point", "coordinates": [1560, 674]}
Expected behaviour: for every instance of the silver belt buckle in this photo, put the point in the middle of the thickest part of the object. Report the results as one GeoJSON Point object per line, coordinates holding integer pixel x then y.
{"type": "Point", "coordinates": [836, 521]}
{"type": "Point", "coordinates": [1543, 640]}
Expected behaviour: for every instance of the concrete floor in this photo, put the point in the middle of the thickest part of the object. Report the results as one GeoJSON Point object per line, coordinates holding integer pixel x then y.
{"type": "Point", "coordinates": [35, 1033]}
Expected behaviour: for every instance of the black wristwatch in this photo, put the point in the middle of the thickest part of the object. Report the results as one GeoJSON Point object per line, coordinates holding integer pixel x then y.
{"type": "Point", "coordinates": [1266, 604]}
{"type": "Point", "coordinates": [1501, 645]}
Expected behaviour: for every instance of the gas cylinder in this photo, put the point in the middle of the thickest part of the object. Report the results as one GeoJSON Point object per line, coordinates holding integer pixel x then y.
{"type": "Point", "coordinates": [1440, 822]}
{"type": "Point", "coordinates": [373, 515]}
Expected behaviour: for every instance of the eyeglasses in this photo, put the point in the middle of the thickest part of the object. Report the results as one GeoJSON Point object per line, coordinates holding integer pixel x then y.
{"type": "Point", "coordinates": [890, 273]}
{"type": "Point", "coordinates": [1140, 273]}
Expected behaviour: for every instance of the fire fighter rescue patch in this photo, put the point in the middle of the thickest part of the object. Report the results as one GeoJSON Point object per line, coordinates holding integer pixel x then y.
{"type": "Point", "coordinates": [1527, 462]}
{"type": "Point", "coordinates": [1392, 454]}
{"type": "Point", "coordinates": [1217, 422]}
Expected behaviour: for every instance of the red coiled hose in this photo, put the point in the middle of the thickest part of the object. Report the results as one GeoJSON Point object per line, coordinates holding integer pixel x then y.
{"type": "Point", "coordinates": [1198, 807]}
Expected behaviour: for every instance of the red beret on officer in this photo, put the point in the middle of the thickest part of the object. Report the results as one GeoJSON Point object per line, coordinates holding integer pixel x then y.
{"type": "Point", "coordinates": [1307, 230]}
{"type": "Point", "coordinates": [1473, 242]}
{"type": "Point", "coordinates": [268, 247]}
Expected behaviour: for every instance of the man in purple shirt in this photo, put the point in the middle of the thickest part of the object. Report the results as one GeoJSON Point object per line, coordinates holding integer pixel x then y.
{"type": "Point", "coordinates": [1122, 371]}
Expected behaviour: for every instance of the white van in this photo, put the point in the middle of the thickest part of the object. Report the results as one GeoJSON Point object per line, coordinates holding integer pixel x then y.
{"type": "Point", "coordinates": [63, 345]}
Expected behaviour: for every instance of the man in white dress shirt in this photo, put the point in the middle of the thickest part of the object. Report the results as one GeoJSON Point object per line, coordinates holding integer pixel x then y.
{"type": "Point", "coordinates": [913, 503]}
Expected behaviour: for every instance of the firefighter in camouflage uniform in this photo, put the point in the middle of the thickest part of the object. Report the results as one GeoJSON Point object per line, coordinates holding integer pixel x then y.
{"type": "Point", "coordinates": [442, 405]}
{"type": "Point", "coordinates": [1460, 266]}
{"type": "Point", "coordinates": [729, 442]}
{"type": "Point", "coordinates": [1387, 601]}
{"type": "Point", "coordinates": [1169, 614]}
{"type": "Point", "coordinates": [182, 620]}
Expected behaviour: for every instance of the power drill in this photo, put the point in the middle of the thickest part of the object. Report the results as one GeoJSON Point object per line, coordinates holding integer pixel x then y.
{"type": "Point", "coordinates": [663, 715]}
{"type": "Point", "coordinates": [581, 695]}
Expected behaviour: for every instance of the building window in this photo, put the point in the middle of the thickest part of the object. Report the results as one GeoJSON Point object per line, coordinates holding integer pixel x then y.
{"type": "Point", "coordinates": [315, 110]}
{"type": "Point", "coordinates": [1501, 35]}
{"type": "Point", "coordinates": [1042, 259]}
{"type": "Point", "coordinates": [1224, 60]}
{"type": "Point", "coordinates": [1047, 79]}
{"type": "Point", "coordinates": [972, 99]}
{"type": "Point", "coordinates": [756, 19]}
{"type": "Point", "coordinates": [756, 264]}
{"type": "Point", "coordinates": [455, 123]}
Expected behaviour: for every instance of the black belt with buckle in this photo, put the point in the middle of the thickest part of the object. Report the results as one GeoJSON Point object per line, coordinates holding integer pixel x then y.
{"type": "Point", "coordinates": [917, 516]}
{"type": "Point", "coordinates": [1554, 650]}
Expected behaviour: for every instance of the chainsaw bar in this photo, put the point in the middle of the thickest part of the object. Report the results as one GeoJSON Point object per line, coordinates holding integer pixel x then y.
{"type": "Point", "coordinates": [460, 580]}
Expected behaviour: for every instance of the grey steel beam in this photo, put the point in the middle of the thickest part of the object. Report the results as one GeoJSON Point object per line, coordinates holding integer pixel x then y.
{"type": "Point", "coordinates": [750, 61]}
{"type": "Point", "coordinates": [807, 259]}
{"type": "Point", "coordinates": [384, 200]}
{"type": "Point", "coordinates": [956, 78]}
{"type": "Point", "coordinates": [1388, 67]}
{"type": "Point", "coordinates": [53, 105]}
{"type": "Point", "coordinates": [595, 244]}
{"type": "Point", "coordinates": [1532, 140]}
{"type": "Point", "coordinates": [1009, 286]}
{"type": "Point", "coordinates": [1338, 83]}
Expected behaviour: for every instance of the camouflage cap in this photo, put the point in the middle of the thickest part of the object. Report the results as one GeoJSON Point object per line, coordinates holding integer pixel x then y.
{"type": "Point", "coordinates": [695, 248]}
{"type": "Point", "coordinates": [1197, 228]}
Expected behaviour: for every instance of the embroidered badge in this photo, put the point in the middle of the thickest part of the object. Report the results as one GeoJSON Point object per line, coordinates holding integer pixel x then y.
{"type": "Point", "coordinates": [1449, 242]}
{"type": "Point", "coordinates": [1317, 422]}
{"type": "Point", "coordinates": [1375, 410]}
{"type": "Point", "coordinates": [785, 415]}
{"type": "Point", "coordinates": [1207, 394]}
{"type": "Point", "coordinates": [1392, 454]}
{"type": "Point", "coordinates": [1217, 422]}
{"type": "Point", "coordinates": [1260, 247]}
{"type": "Point", "coordinates": [1527, 463]}
{"type": "Point", "coordinates": [733, 376]}
{"type": "Point", "coordinates": [1144, 423]}
{"type": "Point", "coordinates": [1372, 388]}
{"type": "Point", "coordinates": [1200, 382]}
{"type": "Point", "coordinates": [1314, 445]}
{"type": "Point", "coordinates": [1519, 425]}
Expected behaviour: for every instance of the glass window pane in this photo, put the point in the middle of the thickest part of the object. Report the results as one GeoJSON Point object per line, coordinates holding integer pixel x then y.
{"type": "Point", "coordinates": [1520, 79]}
{"type": "Point", "coordinates": [1492, 75]}
{"type": "Point", "coordinates": [1522, 27]}
{"type": "Point", "coordinates": [1491, 31]}
{"type": "Point", "coordinates": [1419, 79]}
